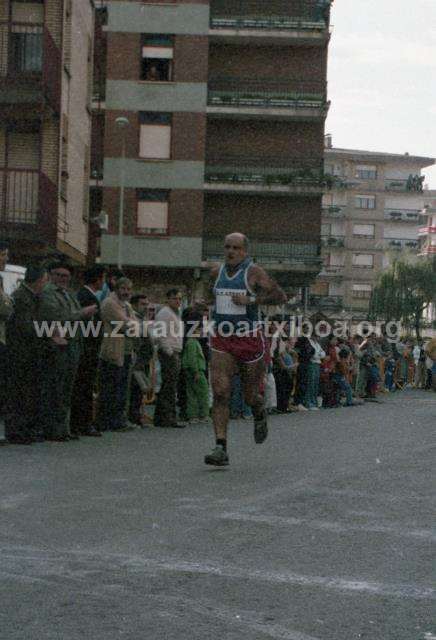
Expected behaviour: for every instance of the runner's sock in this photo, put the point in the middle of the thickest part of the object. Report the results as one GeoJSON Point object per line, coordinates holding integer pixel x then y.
{"type": "Point", "coordinates": [222, 443]}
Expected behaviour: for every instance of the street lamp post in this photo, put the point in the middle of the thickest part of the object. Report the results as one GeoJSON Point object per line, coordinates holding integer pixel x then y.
{"type": "Point", "coordinates": [122, 123]}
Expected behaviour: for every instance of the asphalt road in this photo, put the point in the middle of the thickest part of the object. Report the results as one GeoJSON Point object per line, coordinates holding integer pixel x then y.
{"type": "Point", "coordinates": [322, 533]}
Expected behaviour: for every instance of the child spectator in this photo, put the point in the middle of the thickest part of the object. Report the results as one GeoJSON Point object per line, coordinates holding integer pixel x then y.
{"type": "Point", "coordinates": [373, 379]}
{"type": "Point", "coordinates": [194, 365]}
{"type": "Point", "coordinates": [340, 376]}
{"type": "Point", "coordinates": [389, 372]}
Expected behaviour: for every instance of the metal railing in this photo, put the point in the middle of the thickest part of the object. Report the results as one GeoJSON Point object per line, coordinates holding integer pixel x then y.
{"type": "Point", "coordinates": [268, 172]}
{"type": "Point", "coordinates": [28, 199]}
{"type": "Point", "coordinates": [266, 251]}
{"type": "Point", "coordinates": [412, 183]}
{"type": "Point", "coordinates": [402, 215]}
{"type": "Point", "coordinates": [395, 243]}
{"type": "Point", "coordinates": [333, 211]}
{"type": "Point", "coordinates": [29, 53]}
{"type": "Point", "coordinates": [326, 301]}
{"type": "Point", "coordinates": [274, 14]}
{"type": "Point", "coordinates": [332, 241]}
{"type": "Point", "coordinates": [228, 92]}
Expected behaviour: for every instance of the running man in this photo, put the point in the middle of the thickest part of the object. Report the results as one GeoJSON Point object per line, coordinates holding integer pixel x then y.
{"type": "Point", "coordinates": [238, 345]}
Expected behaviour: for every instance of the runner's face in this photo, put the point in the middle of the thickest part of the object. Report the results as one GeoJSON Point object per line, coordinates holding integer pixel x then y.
{"type": "Point", "coordinates": [234, 251]}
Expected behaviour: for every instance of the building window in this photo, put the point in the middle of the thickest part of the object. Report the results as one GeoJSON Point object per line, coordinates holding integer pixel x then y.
{"type": "Point", "coordinates": [363, 260]}
{"type": "Point", "coordinates": [364, 230]}
{"type": "Point", "coordinates": [157, 53]}
{"type": "Point", "coordinates": [152, 213]}
{"type": "Point", "coordinates": [366, 172]}
{"type": "Point", "coordinates": [362, 291]}
{"type": "Point", "coordinates": [155, 136]}
{"type": "Point", "coordinates": [365, 202]}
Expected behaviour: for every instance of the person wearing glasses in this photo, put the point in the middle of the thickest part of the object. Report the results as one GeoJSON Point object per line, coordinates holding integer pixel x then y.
{"type": "Point", "coordinates": [238, 287]}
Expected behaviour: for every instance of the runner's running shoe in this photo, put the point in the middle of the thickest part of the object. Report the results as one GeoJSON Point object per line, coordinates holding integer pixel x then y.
{"type": "Point", "coordinates": [218, 457]}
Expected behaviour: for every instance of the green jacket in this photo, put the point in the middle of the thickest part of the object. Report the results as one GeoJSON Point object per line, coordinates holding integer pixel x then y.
{"type": "Point", "coordinates": [193, 359]}
{"type": "Point", "coordinates": [61, 306]}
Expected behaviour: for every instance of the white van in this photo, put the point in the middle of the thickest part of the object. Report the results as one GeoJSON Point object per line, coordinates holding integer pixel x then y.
{"type": "Point", "coordinates": [12, 276]}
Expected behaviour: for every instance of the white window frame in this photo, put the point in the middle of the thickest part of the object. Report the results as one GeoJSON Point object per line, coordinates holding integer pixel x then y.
{"type": "Point", "coordinates": [365, 202]}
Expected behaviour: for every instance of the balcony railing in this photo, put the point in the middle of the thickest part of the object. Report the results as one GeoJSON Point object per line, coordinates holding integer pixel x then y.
{"type": "Point", "coordinates": [274, 14]}
{"type": "Point", "coordinates": [269, 172]}
{"type": "Point", "coordinates": [332, 241]}
{"type": "Point", "coordinates": [333, 211]}
{"type": "Point", "coordinates": [326, 301]}
{"type": "Point", "coordinates": [267, 252]}
{"type": "Point", "coordinates": [28, 200]}
{"type": "Point", "coordinates": [398, 244]}
{"type": "Point", "coordinates": [29, 54]}
{"type": "Point", "coordinates": [234, 92]}
{"type": "Point", "coordinates": [412, 183]}
{"type": "Point", "coordinates": [403, 215]}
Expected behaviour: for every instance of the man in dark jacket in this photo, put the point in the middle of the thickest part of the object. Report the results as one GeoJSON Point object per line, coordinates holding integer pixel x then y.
{"type": "Point", "coordinates": [61, 353]}
{"type": "Point", "coordinates": [24, 352]}
{"type": "Point", "coordinates": [84, 386]}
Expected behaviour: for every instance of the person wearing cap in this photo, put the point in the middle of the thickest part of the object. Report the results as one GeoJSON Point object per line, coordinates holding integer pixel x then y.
{"type": "Point", "coordinates": [61, 353]}
{"type": "Point", "coordinates": [24, 351]}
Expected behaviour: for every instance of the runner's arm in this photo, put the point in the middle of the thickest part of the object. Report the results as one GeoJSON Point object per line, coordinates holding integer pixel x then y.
{"type": "Point", "coordinates": [267, 290]}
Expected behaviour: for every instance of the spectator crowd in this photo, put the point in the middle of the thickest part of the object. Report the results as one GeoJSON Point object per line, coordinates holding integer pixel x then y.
{"type": "Point", "coordinates": [62, 386]}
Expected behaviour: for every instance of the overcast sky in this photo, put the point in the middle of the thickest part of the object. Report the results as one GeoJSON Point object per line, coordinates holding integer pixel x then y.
{"type": "Point", "coordinates": [382, 77]}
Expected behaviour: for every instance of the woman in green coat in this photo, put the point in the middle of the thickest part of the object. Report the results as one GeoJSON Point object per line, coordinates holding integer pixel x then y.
{"type": "Point", "coordinates": [197, 388]}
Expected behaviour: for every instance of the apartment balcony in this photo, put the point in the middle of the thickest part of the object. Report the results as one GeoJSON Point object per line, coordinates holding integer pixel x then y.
{"type": "Point", "coordinates": [299, 257]}
{"type": "Point", "coordinates": [335, 242]}
{"type": "Point", "coordinates": [28, 206]}
{"type": "Point", "coordinates": [411, 185]}
{"type": "Point", "coordinates": [30, 68]}
{"type": "Point", "coordinates": [403, 215]}
{"type": "Point", "coordinates": [278, 21]}
{"type": "Point", "coordinates": [332, 272]}
{"type": "Point", "coordinates": [326, 302]}
{"type": "Point", "coordinates": [334, 211]}
{"type": "Point", "coordinates": [429, 250]}
{"type": "Point", "coordinates": [400, 245]}
{"type": "Point", "coordinates": [426, 231]}
{"type": "Point", "coordinates": [265, 99]}
{"type": "Point", "coordinates": [264, 175]}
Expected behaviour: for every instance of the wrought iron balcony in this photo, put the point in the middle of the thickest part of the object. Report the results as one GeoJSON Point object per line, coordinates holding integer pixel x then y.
{"type": "Point", "coordinates": [334, 211]}
{"type": "Point", "coordinates": [399, 244]}
{"type": "Point", "coordinates": [333, 241]}
{"type": "Point", "coordinates": [326, 302]}
{"type": "Point", "coordinates": [403, 215]}
{"type": "Point", "coordinates": [30, 58]}
{"type": "Point", "coordinates": [268, 252]}
{"type": "Point", "coordinates": [266, 94]}
{"type": "Point", "coordinates": [292, 15]}
{"type": "Point", "coordinates": [412, 183]}
{"type": "Point", "coordinates": [28, 204]}
{"type": "Point", "coordinates": [265, 172]}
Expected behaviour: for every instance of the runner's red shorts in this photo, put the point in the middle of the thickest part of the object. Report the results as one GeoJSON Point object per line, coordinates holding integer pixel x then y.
{"type": "Point", "coordinates": [245, 349]}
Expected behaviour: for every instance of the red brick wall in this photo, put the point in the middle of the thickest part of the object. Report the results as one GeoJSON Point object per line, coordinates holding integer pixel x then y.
{"type": "Point", "coordinates": [191, 59]}
{"type": "Point", "coordinates": [185, 211]}
{"type": "Point", "coordinates": [263, 139]}
{"type": "Point", "coordinates": [123, 56]}
{"type": "Point", "coordinates": [268, 218]}
{"type": "Point", "coordinates": [188, 135]}
{"type": "Point", "coordinates": [271, 63]}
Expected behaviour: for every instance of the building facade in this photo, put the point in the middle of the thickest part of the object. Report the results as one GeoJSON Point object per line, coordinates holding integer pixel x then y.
{"type": "Point", "coordinates": [226, 104]}
{"type": "Point", "coordinates": [371, 211]}
{"type": "Point", "coordinates": [46, 49]}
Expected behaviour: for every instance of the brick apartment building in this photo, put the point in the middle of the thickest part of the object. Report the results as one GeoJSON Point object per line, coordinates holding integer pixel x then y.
{"type": "Point", "coordinates": [371, 212]}
{"type": "Point", "coordinates": [226, 102]}
{"type": "Point", "coordinates": [45, 119]}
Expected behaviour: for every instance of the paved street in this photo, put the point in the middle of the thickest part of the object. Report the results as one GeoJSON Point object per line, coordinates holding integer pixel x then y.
{"type": "Point", "coordinates": [322, 533]}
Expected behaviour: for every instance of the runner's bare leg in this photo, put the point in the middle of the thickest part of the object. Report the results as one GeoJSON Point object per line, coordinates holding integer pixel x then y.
{"type": "Point", "coordinates": [252, 376]}
{"type": "Point", "coordinates": [223, 368]}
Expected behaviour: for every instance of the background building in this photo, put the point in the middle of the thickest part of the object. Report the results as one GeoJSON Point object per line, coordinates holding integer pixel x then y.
{"type": "Point", "coordinates": [45, 99]}
{"type": "Point", "coordinates": [226, 104]}
{"type": "Point", "coordinates": [371, 211]}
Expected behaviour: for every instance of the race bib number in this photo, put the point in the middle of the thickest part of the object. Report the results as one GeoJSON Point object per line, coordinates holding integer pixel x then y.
{"type": "Point", "coordinates": [225, 305]}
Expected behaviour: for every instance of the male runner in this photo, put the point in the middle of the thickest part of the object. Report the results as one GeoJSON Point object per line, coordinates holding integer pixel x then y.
{"type": "Point", "coordinates": [238, 344]}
